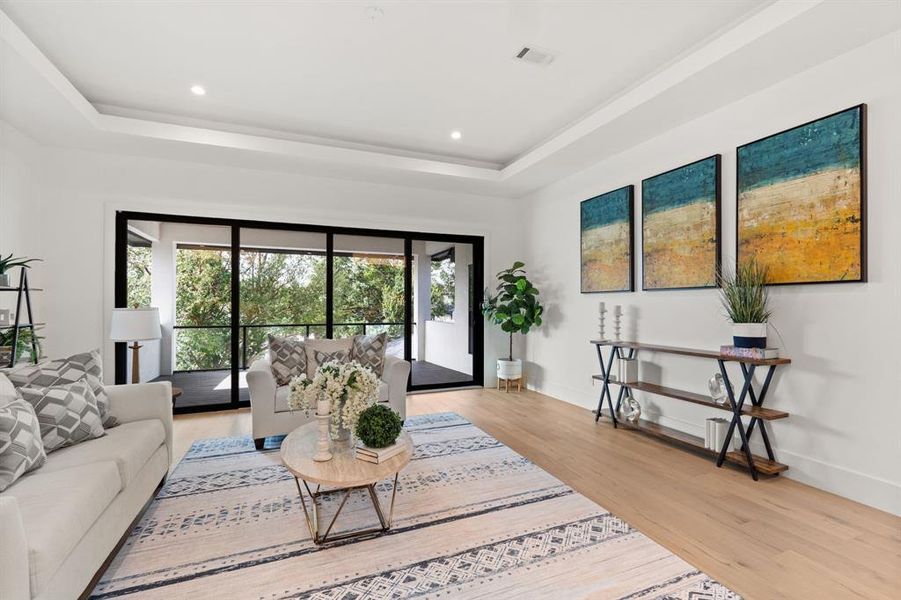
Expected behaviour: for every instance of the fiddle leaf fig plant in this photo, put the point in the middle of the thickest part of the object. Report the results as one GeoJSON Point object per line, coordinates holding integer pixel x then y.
{"type": "Point", "coordinates": [514, 306]}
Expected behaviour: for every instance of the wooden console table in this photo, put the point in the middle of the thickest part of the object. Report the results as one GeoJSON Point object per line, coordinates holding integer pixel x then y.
{"type": "Point", "coordinates": [757, 413]}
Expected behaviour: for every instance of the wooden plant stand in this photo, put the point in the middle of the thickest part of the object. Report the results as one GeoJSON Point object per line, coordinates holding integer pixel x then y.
{"type": "Point", "coordinates": [757, 413]}
{"type": "Point", "coordinates": [509, 382]}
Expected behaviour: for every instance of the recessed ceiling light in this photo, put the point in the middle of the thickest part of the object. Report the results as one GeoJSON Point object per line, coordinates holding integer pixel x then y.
{"type": "Point", "coordinates": [456, 135]}
{"type": "Point", "coordinates": [198, 90]}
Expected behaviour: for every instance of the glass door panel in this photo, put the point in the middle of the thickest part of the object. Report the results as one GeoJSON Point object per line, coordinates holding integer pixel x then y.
{"type": "Point", "coordinates": [282, 289]}
{"type": "Point", "coordinates": [443, 306]}
{"type": "Point", "coordinates": [184, 270]}
{"type": "Point", "coordinates": [369, 288]}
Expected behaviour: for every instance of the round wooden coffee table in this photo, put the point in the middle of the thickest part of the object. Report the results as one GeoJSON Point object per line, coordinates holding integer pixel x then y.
{"type": "Point", "coordinates": [343, 473]}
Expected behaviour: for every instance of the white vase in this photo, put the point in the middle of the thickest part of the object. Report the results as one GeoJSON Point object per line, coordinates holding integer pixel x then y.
{"type": "Point", "coordinates": [509, 369]}
{"type": "Point", "coordinates": [749, 335]}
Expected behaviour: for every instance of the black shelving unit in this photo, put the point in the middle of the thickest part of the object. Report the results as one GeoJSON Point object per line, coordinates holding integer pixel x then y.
{"type": "Point", "coordinates": [23, 291]}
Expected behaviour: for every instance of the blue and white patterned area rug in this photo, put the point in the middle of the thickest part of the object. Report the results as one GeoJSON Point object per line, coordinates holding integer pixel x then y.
{"type": "Point", "coordinates": [473, 519]}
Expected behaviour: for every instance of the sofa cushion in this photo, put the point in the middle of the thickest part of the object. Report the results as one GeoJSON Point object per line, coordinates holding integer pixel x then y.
{"type": "Point", "coordinates": [281, 396]}
{"type": "Point", "coordinates": [287, 358]}
{"type": "Point", "coordinates": [326, 346]}
{"type": "Point", "coordinates": [21, 448]}
{"type": "Point", "coordinates": [68, 413]}
{"type": "Point", "coordinates": [87, 366]}
{"type": "Point", "coordinates": [57, 509]}
{"type": "Point", "coordinates": [129, 445]}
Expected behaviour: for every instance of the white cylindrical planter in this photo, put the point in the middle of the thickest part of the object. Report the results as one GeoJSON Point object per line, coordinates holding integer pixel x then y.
{"type": "Point", "coordinates": [749, 335]}
{"type": "Point", "coordinates": [509, 369]}
{"type": "Point", "coordinates": [5, 280]}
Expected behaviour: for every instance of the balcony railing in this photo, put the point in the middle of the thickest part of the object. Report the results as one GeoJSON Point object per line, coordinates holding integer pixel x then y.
{"type": "Point", "coordinates": [253, 337]}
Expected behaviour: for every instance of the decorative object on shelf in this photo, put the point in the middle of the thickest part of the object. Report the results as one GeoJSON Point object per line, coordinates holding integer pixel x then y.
{"type": "Point", "coordinates": [606, 242]}
{"type": "Point", "coordinates": [717, 388]}
{"type": "Point", "coordinates": [601, 310]}
{"type": "Point", "coordinates": [758, 353]}
{"type": "Point", "coordinates": [378, 426]}
{"type": "Point", "coordinates": [23, 345]}
{"type": "Point", "coordinates": [801, 198]}
{"type": "Point", "coordinates": [628, 370]}
{"type": "Point", "coordinates": [19, 335]}
{"type": "Point", "coordinates": [135, 325]}
{"type": "Point", "coordinates": [749, 391]}
{"type": "Point", "coordinates": [9, 262]}
{"type": "Point", "coordinates": [745, 297]}
{"type": "Point", "coordinates": [629, 409]}
{"type": "Point", "coordinates": [348, 388]}
{"type": "Point", "coordinates": [4, 317]}
{"type": "Point", "coordinates": [715, 434]}
{"type": "Point", "coordinates": [515, 307]}
{"type": "Point", "coordinates": [680, 216]}
{"type": "Point", "coordinates": [617, 321]}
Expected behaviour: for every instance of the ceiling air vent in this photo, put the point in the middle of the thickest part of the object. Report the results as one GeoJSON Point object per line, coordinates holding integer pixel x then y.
{"type": "Point", "coordinates": [535, 56]}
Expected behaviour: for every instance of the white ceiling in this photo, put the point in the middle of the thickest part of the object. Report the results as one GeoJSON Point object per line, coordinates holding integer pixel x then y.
{"type": "Point", "coordinates": [320, 87]}
{"type": "Point", "coordinates": [404, 80]}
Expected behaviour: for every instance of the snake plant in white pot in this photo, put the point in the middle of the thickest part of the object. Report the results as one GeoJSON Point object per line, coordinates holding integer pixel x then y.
{"type": "Point", "coordinates": [746, 299]}
{"type": "Point", "coordinates": [516, 309]}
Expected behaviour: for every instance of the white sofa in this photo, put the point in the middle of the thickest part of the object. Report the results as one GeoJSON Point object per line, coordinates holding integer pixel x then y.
{"type": "Point", "coordinates": [60, 522]}
{"type": "Point", "coordinates": [269, 402]}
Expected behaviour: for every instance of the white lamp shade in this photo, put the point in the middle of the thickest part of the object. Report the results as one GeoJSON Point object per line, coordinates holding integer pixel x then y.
{"type": "Point", "coordinates": [135, 324]}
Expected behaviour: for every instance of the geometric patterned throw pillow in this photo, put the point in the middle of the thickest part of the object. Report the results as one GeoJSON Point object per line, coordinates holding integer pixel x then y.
{"type": "Point", "coordinates": [339, 356]}
{"type": "Point", "coordinates": [68, 414]}
{"type": "Point", "coordinates": [21, 449]}
{"type": "Point", "coordinates": [287, 358]}
{"type": "Point", "coordinates": [86, 366]}
{"type": "Point", "coordinates": [369, 351]}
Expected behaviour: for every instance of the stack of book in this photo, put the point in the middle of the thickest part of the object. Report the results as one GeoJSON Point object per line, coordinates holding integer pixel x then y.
{"type": "Point", "coordinates": [753, 353]}
{"type": "Point", "coordinates": [378, 455]}
{"type": "Point", "coordinates": [715, 434]}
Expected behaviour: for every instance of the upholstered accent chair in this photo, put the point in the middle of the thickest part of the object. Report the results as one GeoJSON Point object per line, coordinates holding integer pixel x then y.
{"type": "Point", "coordinates": [269, 401]}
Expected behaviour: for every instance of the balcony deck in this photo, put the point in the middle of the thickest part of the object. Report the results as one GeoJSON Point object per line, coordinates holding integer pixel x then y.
{"type": "Point", "coordinates": [204, 388]}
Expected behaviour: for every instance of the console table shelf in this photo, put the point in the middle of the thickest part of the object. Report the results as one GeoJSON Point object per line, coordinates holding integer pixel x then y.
{"type": "Point", "coordinates": [763, 465]}
{"type": "Point", "coordinates": [767, 414]}
{"type": "Point", "coordinates": [736, 405]}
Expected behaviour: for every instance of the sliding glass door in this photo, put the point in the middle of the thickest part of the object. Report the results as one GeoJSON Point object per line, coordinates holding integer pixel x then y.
{"type": "Point", "coordinates": [369, 275]}
{"type": "Point", "coordinates": [222, 286]}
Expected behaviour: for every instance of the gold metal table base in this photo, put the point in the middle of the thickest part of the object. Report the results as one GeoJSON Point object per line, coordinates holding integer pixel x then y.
{"type": "Point", "coordinates": [312, 516]}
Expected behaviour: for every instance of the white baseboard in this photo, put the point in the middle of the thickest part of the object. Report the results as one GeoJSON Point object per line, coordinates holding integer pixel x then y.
{"type": "Point", "coordinates": [848, 483]}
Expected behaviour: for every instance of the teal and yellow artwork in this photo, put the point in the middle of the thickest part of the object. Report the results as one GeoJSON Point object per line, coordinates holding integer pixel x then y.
{"type": "Point", "coordinates": [680, 216]}
{"type": "Point", "coordinates": [801, 201]}
{"type": "Point", "coordinates": [606, 225]}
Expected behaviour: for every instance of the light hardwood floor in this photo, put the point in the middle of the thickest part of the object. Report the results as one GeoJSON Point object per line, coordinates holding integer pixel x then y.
{"type": "Point", "coordinates": [772, 539]}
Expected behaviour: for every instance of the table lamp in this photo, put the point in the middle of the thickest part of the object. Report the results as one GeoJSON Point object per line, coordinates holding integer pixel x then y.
{"type": "Point", "coordinates": [134, 325]}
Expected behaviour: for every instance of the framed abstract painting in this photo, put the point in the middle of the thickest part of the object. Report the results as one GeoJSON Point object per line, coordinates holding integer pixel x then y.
{"type": "Point", "coordinates": [680, 224]}
{"type": "Point", "coordinates": [606, 241]}
{"type": "Point", "coordinates": [801, 200]}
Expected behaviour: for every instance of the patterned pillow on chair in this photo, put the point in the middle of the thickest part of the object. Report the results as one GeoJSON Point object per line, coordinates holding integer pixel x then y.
{"type": "Point", "coordinates": [21, 448]}
{"type": "Point", "coordinates": [87, 366]}
{"type": "Point", "coordinates": [342, 356]}
{"type": "Point", "coordinates": [369, 351]}
{"type": "Point", "coordinates": [68, 414]}
{"type": "Point", "coordinates": [287, 358]}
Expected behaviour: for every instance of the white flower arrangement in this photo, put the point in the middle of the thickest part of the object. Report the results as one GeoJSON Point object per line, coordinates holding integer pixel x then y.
{"type": "Point", "coordinates": [349, 387]}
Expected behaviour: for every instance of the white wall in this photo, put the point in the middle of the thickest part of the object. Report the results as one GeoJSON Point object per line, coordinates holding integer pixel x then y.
{"type": "Point", "coordinates": [842, 387]}
{"type": "Point", "coordinates": [83, 190]}
{"type": "Point", "coordinates": [20, 192]}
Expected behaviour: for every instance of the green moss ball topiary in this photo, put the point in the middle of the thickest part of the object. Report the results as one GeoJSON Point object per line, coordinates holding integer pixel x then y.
{"type": "Point", "coordinates": [378, 426]}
